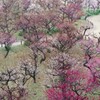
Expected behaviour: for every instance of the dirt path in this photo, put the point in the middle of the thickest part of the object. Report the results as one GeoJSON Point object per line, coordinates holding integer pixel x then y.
{"type": "Point", "coordinates": [95, 20]}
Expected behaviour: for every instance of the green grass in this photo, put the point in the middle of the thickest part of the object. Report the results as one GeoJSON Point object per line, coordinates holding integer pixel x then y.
{"type": "Point", "coordinates": [19, 35]}
{"type": "Point", "coordinates": [16, 54]}
{"type": "Point", "coordinates": [36, 90]}
{"type": "Point", "coordinates": [93, 12]}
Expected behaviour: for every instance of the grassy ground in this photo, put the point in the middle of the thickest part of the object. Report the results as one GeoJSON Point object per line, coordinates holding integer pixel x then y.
{"type": "Point", "coordinates": [36, 90]}
{"type": "Point", "coordinates": [92, 12]}
{"type": "Point", "coordinates": [16, 55]}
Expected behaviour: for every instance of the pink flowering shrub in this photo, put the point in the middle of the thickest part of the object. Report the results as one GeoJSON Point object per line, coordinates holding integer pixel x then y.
{"type": "Point", "coordinates": [75, 87]}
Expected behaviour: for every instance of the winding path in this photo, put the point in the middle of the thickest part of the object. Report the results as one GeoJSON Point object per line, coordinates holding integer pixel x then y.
{"type": "Point", "coordinates": [15, 43]}
{"type": "Point", "coordinates": [95, 31]}
{"type": "Point", "coordinates": [91, 32]}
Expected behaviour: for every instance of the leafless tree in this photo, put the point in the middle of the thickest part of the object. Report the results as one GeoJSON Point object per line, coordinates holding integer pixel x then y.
{"type": "Point", "coordinates": [9, 86]}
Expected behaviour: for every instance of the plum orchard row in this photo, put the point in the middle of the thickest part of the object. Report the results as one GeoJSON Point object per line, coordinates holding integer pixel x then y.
{"type": "Point", "coordinates": [56, 19]}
